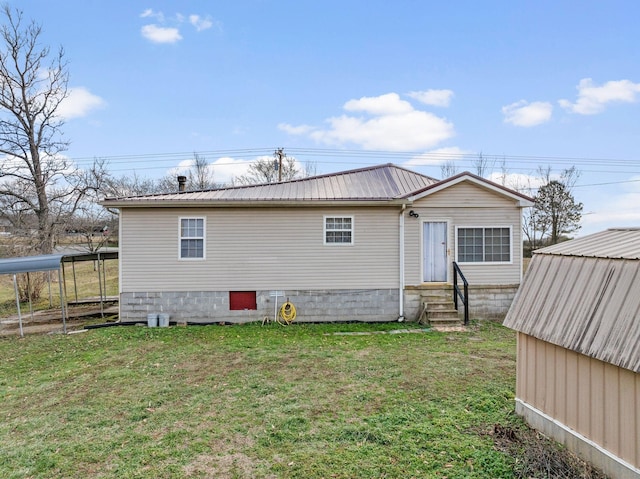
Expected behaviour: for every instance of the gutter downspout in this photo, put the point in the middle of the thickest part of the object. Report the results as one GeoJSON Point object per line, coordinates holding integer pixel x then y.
{"type": "Point", "coordinates": [401, 282]}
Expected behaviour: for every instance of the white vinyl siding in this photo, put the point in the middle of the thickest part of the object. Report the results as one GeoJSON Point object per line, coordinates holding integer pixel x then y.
{"type": "Point", "coordinates": [192, 238]}
{"type": "Point", "coordinates": [483, 245]}
{"type": "Point", "coordinates": [338, 230]}
{"type": "Point", "coordinates": [253, 249]}
{"type": "Point", "coordinates": [462, 205]}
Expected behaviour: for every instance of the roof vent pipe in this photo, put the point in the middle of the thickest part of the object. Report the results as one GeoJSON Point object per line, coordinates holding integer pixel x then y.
{"type": "Point", "coordinates": [182, 183]}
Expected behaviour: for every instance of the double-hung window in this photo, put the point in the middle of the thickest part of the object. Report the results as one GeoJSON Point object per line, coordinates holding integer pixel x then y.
{"type": "Point", "coordinates": [484, 245]}
{"type": "Point", "coordinates": [192, 238]}
{"type": "Point", "coordinates": [338, 230]}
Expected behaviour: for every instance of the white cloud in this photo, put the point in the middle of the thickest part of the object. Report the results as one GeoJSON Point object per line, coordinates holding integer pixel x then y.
{"type": "Point", "coordinates": [433, 97]}
{"type": "Point", "coordinates": [388, 123]}
{"type": "Point", "coordinates": [200, 23]}
{"type": "Point", "coordinates": [523, 113]}
{"type": "Point", "coordinates": [158, 34]}
{"type": "Point", "coordinates": [526, 184]}
{"type": "Point", "coordinates": [438, 156]}
{"type": "Point", "coordinates": [79, 103]}
{"type": "Point", "coordinates": [295, 130]}
{"type": "Point", "coordinates": [149, 13]}
{"type": "Point", "coordinates": [167, 30]}
{"type": "Point", "coordinates": [593, 99]}
{"type": "Point", "coordinates": [389, 104]}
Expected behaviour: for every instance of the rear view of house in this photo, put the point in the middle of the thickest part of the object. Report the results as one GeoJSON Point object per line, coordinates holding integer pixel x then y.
{"type": "Point", "coordinates": [363, 244]}
{"type": "Point", "coordinates": [578, 320]}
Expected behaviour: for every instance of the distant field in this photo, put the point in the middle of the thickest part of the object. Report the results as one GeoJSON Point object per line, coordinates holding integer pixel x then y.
{"type": "Point", "coordinates": [86, 285]}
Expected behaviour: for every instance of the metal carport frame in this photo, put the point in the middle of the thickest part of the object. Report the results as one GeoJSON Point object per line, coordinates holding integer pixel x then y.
{"type": "Point", "coordinates": [50, 262]}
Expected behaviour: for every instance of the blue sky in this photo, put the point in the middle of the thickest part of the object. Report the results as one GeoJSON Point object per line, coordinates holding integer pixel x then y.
{"type": "Point", "coordinates": [347, 84]}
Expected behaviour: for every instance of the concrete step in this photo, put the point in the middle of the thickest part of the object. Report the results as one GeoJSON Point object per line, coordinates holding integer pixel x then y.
{"type": "Point", "coordinates": [438, 305]}
{"type": "Point", "coordinates": [442, 314]}
{"type": "Point", "coordinates": [444, 323]}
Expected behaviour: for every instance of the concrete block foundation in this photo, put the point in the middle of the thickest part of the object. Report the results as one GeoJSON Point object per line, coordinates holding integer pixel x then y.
{"type": "Point", "coordinates": [368, 305]}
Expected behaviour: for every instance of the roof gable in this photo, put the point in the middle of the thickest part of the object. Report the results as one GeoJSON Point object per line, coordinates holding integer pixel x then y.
{"type": "Point", "coordinates": [584, 295]}
{"type": "Point", "coordinates": [522, 200]}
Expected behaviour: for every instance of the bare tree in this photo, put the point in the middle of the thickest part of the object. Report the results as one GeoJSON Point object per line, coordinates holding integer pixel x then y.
{"type": "Point", "coordinates": [265, 170]}
{"type": "Point", "coordinates": [448, 169]}
{"type": "Point", "coordinates": [309, 168]}
{"type": "Point", "coordinates": [35, 180]}
{"type": "Point", "coordinates": [128, 185]}
{"type": "Point", "coordinates": [200, 176]}
{"type": "Point", "coordinates": [482, 165]}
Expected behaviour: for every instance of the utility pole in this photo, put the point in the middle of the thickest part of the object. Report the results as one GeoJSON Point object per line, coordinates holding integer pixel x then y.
{"type": "Point", "coordinates": [279, 153]}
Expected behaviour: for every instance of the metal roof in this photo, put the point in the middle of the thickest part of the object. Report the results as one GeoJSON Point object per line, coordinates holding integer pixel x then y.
{"type": "Point", "coordinates": [584, 295]}
{"type": "Point", "coordinates": [611, 243]}
{"type": "Point", "coordinates": [27, 264]}
{"type": "Point", "coordinates": [377, 183]}
{"type": "Point", "coordinates": [48, 262]}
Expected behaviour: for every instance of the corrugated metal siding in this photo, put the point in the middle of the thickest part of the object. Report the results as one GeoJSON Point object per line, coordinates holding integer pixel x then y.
{"type": "Point", "coordinates": [259, 249]}
{"type": "Point", "coordinates": [597, 399]}
{"type": "Point", "coordinates": [465, 205]}
{"type": "Point", "coordinates": [588, 305]}
{"type": "Point", "coordinates": [379, 183]}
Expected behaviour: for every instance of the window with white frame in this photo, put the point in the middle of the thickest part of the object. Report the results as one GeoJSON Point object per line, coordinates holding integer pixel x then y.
{"type": "Point", "coordinates": [484, 245]}
{"type": "Point", "coordinates": [338, 230]}
{"type": "Point", "coordinates": [191, 238]}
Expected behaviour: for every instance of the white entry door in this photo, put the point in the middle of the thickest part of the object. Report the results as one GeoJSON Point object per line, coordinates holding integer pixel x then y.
{"type": "Point", "coordinates": [434, 237]}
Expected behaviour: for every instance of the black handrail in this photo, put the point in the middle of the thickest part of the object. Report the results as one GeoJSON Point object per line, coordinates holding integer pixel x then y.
{"type": "Point", "coordinates": [456, 291]}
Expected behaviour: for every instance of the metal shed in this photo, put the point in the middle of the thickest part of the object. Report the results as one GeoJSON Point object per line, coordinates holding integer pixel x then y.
{"type": "Point", "coordinates": [577, 315]}
{"type": "Point", "coordinates": [54, 262]}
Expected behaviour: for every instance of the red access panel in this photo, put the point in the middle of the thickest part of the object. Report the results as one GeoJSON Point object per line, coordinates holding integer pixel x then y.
{"type": "Point", "coordinates": [241, 300]}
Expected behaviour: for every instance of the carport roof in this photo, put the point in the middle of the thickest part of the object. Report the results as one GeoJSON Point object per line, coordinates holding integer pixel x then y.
{"type": "Point", "coordinates": [48, 262]}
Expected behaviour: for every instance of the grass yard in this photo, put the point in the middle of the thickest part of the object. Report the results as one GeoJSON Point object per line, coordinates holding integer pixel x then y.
{"type": "Point", "coordinates": [258, 402]}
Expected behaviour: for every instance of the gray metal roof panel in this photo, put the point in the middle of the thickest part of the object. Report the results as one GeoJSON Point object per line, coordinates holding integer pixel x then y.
{"type": "Point", "coordinates": [590, 305]}
{"type": "Point", "coordinates": [49, 262]}
{"type": "Point", "coordinates": [611, 243]}
{"type": "Point", "coordinates": [26, 264]}
{"type": "Point", "coordinates": [378, 183]}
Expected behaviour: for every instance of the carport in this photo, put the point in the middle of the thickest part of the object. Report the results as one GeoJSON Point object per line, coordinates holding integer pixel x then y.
{"type": "Point", "coordinates": [55, 262]}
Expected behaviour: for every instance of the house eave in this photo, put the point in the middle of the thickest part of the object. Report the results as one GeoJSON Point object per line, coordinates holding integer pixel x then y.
{"type": "Point", "coordinates": [155, 203]}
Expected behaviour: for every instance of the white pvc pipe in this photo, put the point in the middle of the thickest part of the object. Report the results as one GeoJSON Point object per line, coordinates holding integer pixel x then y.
{"type": "Point", "coordinates": [62, 303]}
{"type": "Point", "coordinates": [401, 283]}
{"type": "Point", "coordinates": [15, 287]}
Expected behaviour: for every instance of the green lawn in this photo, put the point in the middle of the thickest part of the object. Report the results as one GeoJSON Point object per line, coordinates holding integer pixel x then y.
{"type": "Point", "coordinates": [257, 402]}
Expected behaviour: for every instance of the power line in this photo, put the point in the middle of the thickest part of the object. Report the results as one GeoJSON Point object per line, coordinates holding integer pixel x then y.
{"type": "Point", "coordinates": [416, 160]}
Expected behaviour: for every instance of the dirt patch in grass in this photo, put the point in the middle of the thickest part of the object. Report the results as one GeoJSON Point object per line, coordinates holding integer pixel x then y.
{"type": "Point", "coordinates": [540, 457]}
{"type": "Point", "coordinates": [227, 461]}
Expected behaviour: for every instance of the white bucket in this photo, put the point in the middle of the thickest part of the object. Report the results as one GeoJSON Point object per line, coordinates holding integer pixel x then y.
{"type": "Point", "coordinates": [163, 320]}
{"type": "Point", "coordinates": [152, 320]}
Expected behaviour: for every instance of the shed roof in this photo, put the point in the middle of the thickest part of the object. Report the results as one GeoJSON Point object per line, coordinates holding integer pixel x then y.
{"type": "Point", "coordinates": [612, 243]}
{"type": "Point", "coordinates": [584, 295]}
